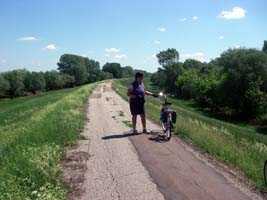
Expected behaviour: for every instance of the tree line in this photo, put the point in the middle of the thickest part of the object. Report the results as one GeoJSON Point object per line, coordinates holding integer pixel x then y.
{"type": "Point", "coordinates": [73, 70]}
{"type": "Point", "coordinates": [233, 86]}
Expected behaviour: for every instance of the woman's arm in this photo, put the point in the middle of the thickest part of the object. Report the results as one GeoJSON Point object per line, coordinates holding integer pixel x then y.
{"type": "Point", "coordinates": [130, 92]}
{"type": "Point", "coordinates": [148, 93]}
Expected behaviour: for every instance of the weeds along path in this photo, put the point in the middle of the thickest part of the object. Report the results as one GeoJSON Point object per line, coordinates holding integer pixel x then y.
{"type": "Point", "coordinates": [111, 164]}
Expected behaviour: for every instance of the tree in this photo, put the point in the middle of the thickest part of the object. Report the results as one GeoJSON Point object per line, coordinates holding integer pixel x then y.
{"type": "Point", "coordinates": [167, 57]}
{"type": "Point", "coordinates": [127, 71]}
{"type": "Point", "coordinates": [75, 66]}
{"type": "Point", "coordinates": [4, 86]}
{"type": "Point", "coordinates": [245, 70]}
{"type": "Point", "coordinates": [16, 81]}
{"type": "Point", "coordinates": [193, 64]}
{"type": "Point", "coordinates": [114, 68]}
{"type": "Point", "coordinates": [264, 48]}
{"type": "Point", "coordinates": [54, 80]}
{"type": "Point", "coordinates": [105, 75]}
{"type": "Point", "coordinates": [187, 83]}
{"type": "Point", "coordinates": [93, 70]}
{"type": "Point", "coordinates": [67, 80]}
{"type": "Point", "coordinates": [34, 81]}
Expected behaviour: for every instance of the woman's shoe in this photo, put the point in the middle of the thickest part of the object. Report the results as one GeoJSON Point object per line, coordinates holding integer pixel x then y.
{"type": "Point", "coordinates": [145, 131]}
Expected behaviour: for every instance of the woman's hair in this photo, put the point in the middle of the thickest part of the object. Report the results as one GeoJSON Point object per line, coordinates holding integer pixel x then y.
{"type": "Point", "coordinates": [138, 75]}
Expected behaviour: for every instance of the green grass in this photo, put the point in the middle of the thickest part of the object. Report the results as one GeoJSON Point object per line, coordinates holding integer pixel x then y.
{"type": "Point", "coordinates": [33, 133]}
{"type": "Point", "coordinates": [239, 146]}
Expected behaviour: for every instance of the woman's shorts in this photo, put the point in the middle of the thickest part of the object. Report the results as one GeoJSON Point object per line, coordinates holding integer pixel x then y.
{"type": "Point", "coordinates": [137, 106]}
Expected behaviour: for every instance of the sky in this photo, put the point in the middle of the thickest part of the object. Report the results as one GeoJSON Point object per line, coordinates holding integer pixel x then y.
{"type": "Point", "coordinates": [35, 33]}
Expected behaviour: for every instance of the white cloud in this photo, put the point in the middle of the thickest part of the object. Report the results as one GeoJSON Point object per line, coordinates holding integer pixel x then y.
{"type": "Point", "coordinates": [162, 29]}
{"type": "Point", "coordinates": [50, 47]}
{"type": "Point", "coordinates": [3, 61]}
{"type": "Point", "coordinates": [112, 50]}
{"type": "Point", "coordinates": [28, 38]}
{"type": "Point", "coordinates": [114, 53]}
{"type": "Point", "coordinates": [194, 18]}
{"type": "Point", "coordinates": [221, 37]}
{"type": "Point", "coordinates": [200, 56]}
{"type": "Point", "coordinates": [156, 42]}
{"type": "Point", "coordinates": [120, 56]}
{"type": "Point", "coordinates": [182, 19]}
{"type": "Point", "coordinates": [154, 56]}
{"type": "Point", "coordinates": [235, 13]}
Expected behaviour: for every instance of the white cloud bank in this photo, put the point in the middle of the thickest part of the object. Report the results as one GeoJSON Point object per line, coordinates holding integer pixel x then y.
{"type": "Point", "coordinates": [112, 50]}
{"type": "Point", "coordinates": [114, 53]}
{"type": "Point", "coordinates": [221, 37]}
{"type": "Point", "coordinates": [194, 18]}
{"type": "Point", "coordinates": [162, 29]}
{"type": "Point", "coordinates": [28, 38]}
{"type": "Point", "coordinates": [156, 42]}
{"type": "Point", "coordinates": [235, 13]}
{"type": "Point", "coordinates": [200, 56]}
{"type": "Point", "coordinates": [50, 47]}
{"type": "Point", "coordinates": [183, 19]}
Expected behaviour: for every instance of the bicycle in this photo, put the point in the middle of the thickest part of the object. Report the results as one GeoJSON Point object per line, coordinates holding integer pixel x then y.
{"type": "Point", "coordinates": [167, 116]}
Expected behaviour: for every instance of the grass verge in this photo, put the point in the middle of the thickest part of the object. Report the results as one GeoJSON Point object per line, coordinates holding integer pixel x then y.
{"type": "Point", "coordinates": [34, 132]}
{"type": "Point", "coordinates": [238, 146]}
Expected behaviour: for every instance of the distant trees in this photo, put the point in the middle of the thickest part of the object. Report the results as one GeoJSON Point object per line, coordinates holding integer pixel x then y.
{"type": "Point", "coordinates": [264, 48]}
{"type": "Point", "coordinates": [127, 71]}
{"type": "Point", "coordinates": [168, 57]}
{"type": "Point", "coordinates": [114, 68]}
{"type": "Point", "coordinates": [4, 86]}
{"type": "Point", "coordinates": [235, 84]}
{"type": "Point", "coordinates": [171, 69]}
{"type": "Point", "coordinates": [75, 66]}
{"type": "Point", "coordinates": [73, 70]}
{"type": "Point", "coordinates": [34, 82]}
{"type": "Point", "coordinates": [16, 81]}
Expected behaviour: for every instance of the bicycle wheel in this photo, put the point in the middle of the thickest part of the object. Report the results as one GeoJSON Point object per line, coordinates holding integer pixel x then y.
{"type": "Point", "coordinates": [168, 132]}
{"type": "Point", "coordinates": [265, 172]}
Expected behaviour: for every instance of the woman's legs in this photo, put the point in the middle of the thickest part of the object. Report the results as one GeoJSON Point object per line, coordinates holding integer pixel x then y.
{"type": "Point", "coordinates": [143, 119]}
{"type": "Point", "coordinates": [134, 122]}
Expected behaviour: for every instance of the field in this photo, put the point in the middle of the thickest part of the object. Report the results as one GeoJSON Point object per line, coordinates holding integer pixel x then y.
{"type": "Point", "coordinates": [240, 146]}
{"type": "Point", "coordinates": [33, 133]}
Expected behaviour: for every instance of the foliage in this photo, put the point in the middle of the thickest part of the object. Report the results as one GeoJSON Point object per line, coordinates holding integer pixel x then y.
{"type": "Point", "coordinates": [264, 48]}
{"type": "Point", "coordinates": [114, 68]}
{"type": "Point", "coordinates": [34, 131]}
{"type": "Point", "coordinates": [168, 57]}
{"type": "Point", "coordinates": [16, 82]}
{"type": "Point", "coordinates": [233, 85]}
{"type": "Point", "coordinates": [73, 70]}
{"type": "Point", "coordinates": [75, 66]}
{"type": "Point", "coordinates": [4, 86]}
{"type": "Point", "coordinates": [245, 70]}
{"type": "Point", "coordinates": [34, 82]}
{"type": "Point", "coordinates": [237, 145]}
{"type": "Point", "coordinates": [127, 71]}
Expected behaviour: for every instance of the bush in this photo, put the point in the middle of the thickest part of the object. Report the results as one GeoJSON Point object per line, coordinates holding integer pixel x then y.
{"type": "Point", "coordinates": [4, 86]}
{"type": "Point", "coordinates": [16, 80]}
{"type": "Point", "coordinates": [34, 82]}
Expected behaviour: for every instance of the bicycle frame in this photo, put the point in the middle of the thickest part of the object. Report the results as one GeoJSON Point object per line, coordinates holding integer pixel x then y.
{"type": "Point", "coordinates": [166, 113]}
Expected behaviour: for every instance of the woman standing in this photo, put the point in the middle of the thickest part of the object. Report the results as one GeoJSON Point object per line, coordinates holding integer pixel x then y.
{"type": "Point", "coordinates": [136, 93]}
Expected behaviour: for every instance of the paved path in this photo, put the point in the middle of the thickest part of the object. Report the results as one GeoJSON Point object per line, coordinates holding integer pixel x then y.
{"type": "Point", "coordinates": [125, 166]}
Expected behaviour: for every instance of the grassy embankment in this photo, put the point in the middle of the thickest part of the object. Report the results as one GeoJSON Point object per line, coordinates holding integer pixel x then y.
{"type": "Point", "coordinates": [33, 133]}
{"type": "Point", "coordinates": [239, 146]}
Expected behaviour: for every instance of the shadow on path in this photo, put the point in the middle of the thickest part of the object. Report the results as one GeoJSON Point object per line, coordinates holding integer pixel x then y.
{"type": "Point", "coordinates": [118, 136]}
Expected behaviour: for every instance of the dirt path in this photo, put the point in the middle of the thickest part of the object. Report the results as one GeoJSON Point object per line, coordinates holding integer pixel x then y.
{"type": "Point", "coordinates": [118, 165]}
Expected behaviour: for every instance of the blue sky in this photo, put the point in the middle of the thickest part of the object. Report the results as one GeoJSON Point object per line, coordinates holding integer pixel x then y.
{"type": "Point", "coordinates": [34, 33]}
